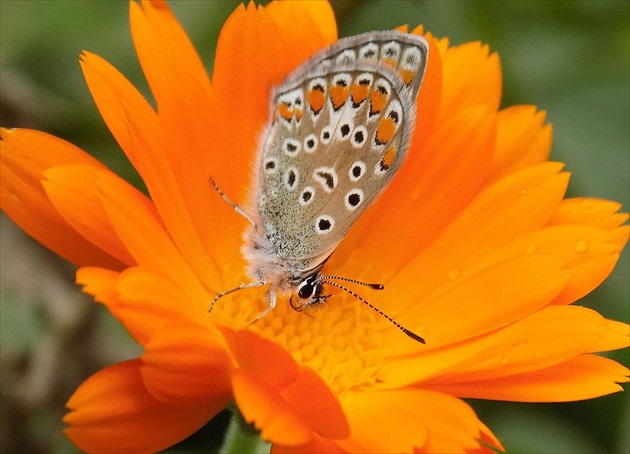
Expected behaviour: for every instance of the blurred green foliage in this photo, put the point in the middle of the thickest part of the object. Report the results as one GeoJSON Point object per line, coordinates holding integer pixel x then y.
{"type": "Point", "coordinates": [570, 58]}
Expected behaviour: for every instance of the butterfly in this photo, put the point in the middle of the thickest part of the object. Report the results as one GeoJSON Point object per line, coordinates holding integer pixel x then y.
{"type": "Point", "coordinates": [340, 128]}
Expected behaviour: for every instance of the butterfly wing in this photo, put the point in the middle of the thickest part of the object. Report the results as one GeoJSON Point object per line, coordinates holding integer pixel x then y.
{"type": "Point", "coordinates": [341, 128]}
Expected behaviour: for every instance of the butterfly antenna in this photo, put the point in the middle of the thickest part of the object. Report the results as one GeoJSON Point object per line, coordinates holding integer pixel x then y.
{"type": "Point", "coordinates": [408, 332]}
{"type": "Point", "coordinates": [354, 281]}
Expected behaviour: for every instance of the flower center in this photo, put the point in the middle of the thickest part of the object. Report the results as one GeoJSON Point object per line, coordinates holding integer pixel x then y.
{"type": "Point", "coordinates": [341, 340]}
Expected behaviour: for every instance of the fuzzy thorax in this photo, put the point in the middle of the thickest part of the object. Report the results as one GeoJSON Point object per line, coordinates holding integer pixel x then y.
{"type": "Point", "coordinates": [265, 262]}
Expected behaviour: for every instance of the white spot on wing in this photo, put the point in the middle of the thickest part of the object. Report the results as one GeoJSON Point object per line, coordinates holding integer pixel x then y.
{"type": "Point", "coordinates": [411, 59]}
{"type": "Point", "coordinates": [270, 166]}
{"type": "Point", "coordinates": [327, 177]}
{"type": "Point", "coordinates": [326, 135]}
{"type": "Point", "coordinates": [310, 143]}
{"type": "Point", "coordinates": [357, 170]}
{"type": "Point", "coordinates": [291, 177]}
{"type": "Point", "coordinates": [369, 52]}
{"type": "Point", "coordinates": [353, 199]}
{"type": "Point", "coordinates": [324, 224]}
{"type": "Point", "coordinates": [291, 147]}
{"type": "Point", "coordinates": [346, 57]}
{"type": "Point", "coordinates": [391, 51]}
{"type": "Point", "coordinates": [307, 196]}
{"type": "Point", "coordinates": [359, 136]}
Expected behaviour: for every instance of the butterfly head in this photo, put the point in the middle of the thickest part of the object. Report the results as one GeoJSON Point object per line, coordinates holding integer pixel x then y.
{"type": "Point", "coordinates": [308, 293]}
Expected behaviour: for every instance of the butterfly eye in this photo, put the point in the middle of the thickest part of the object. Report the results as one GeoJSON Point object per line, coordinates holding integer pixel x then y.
{"type": "Point", "coordinates": [307, 287]}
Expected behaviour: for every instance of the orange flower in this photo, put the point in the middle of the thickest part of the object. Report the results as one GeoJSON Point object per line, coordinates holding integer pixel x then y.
{"type": "Point", "coordinates": [478, 250]}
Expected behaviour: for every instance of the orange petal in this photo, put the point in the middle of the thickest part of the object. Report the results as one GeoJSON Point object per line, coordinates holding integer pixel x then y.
{"type": "Point", "coordinates": [487, 300]}
{"type": "Point", "coordinates": [142, 301]}
{"type": "Point", "coordinates": [137, 129]}
{"type": "Point", "coordinates": [132, 420]}
{"type": "Point", "coordinates": [297, 390]}
{"type": "Point", "coordinates": [253, 54]}
{"type": "Point", "coordinates": [242, 85]}
{"type": "Point", "coordinates": [317, 445]}
{"type": "Point", "coordinates": [192, 130]}
{"type": "Point", "coordinates": [181, 187]}
{"type": "Point", "coordinates": [543, 339]}
{"type": "Point", "coordinates": [551, 336]}
{"type": "Point", "coordinates": [581, 378]}
{"type": "Point", "coordinates": [506, 210]}
{"type": "Point", "coordinates": [429, 97]}
{"type": "Point", "coordinates": [261, 405]}
{"type": "Point", "coordinates": [162, 43]}
{"type": "Point", "coordinates": [406, 420]}
{"type": "Point", "coordinates": [261, 357]}
{"type": "Point", "coordinates": [489, 443]}
{"type": "Point", "coordinates": [318, 27]}
{"type": "Point", "coordinates": [146, 302]}
{"type": "Point", "coordinates": [316, 406]}
{"type": "Point", "coordinates": [187, 364]}
{"type": "Point", "coordinates": [590, 254]}
{"type": "Point", "coordinates": [72, 192]}
{"type": "Point", "coordinates": [98, 282]}
{"type": "Point", "coordinates": [24, 156]}
{"type": "Point", "coordinates": [522, 140]}
{"type": "Point", "coordinates": [590, 269]}
{"type": "Point", "coordinates": [450, 428]}
{"type": "Point", "coordinates": [614, 335]}
{"type": "Point", "coordinates": [472, 77]}
{"type": "Point", "coordinates": [140, 229]}
{"type": "Point", "coordinates": [588, 211]}
{"type": "Point", "coordinates": [384, 422]}
{"type": "Point", "coordinates": [118, 100]}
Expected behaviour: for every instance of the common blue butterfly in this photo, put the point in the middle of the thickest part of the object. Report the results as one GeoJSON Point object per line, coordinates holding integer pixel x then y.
{"type": "Point", "coordinates": [340, 128]}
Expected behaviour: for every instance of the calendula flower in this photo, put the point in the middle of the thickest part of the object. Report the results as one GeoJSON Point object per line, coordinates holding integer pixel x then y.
{"type": "Point", "coordinates": [478, 249]}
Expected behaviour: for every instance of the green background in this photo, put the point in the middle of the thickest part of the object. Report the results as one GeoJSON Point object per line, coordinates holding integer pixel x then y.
{"type": "Point", "coordinates": [570, 58]}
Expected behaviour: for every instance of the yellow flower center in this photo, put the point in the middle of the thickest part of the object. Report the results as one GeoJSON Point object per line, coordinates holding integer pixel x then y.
{"type": "Point", "coordinates": [341, 340]}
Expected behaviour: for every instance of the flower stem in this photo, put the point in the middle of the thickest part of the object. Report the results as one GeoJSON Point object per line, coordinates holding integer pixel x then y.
{"type": "Point", "coordinates": [242, 438]}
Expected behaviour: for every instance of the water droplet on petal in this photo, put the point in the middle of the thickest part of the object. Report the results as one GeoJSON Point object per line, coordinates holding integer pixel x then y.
{"type": "Point", "coordinates": [580, 246]}
{"type": "Point", "coordinates": [530, 249]}
{"type": "Point", "coordinates": [505, 360]}
{"type": "Point", "coordinates": [454, 274]}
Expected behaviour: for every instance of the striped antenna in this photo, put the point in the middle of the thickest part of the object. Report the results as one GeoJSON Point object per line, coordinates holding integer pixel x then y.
{"type": "Point", "coordinates": [408, 332]}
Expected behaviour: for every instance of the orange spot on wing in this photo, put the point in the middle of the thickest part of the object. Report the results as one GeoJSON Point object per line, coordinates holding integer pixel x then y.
{"type": "Point", "coordinates": [339, 95]}
{"type": "Point", "coordinates": [315, 99]}
{"type": "Point", "coordinates": [359, 93]}
{"type": "Point", "coordinates": [298, 114]}
{"type": "Point", "coordinates": [385, 130]}
{"type": "Point", "coordinates": [388, 158]}
{"type": "Point", "coordinates": [285, 111]}
{"type": "Point", "coordinates": [378, 100]}
{"type": "Point", "coordinates": [390, 62]}
{"type": "Point", "coordinates": [407, 75]}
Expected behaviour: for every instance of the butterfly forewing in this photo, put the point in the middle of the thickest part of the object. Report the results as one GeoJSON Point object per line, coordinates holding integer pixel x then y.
{"type": "Point", "coordinates": [341, 127]}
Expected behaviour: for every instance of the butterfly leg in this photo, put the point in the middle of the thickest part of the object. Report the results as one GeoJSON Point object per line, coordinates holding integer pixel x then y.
{"type": "Point", "coordinates": [237, 208]}
{"type": "Point", "coordinates": [244, 285]}
{"type": "Point", "coordinates": [272, 305]}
